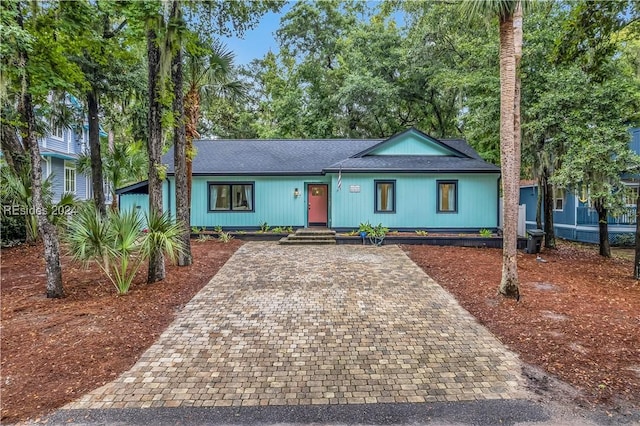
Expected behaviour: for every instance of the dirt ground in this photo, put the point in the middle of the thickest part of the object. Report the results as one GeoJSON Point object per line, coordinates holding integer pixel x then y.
{"type": "Point", "coordinates": [578, 318]}
{"type": "Point", "coordinates": [54, 351]}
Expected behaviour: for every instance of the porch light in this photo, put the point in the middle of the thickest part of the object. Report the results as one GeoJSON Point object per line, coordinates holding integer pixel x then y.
{"type": "Point", "coordinates": [296, 193]}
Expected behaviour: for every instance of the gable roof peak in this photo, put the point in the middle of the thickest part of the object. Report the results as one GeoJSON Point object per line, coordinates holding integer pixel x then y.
{"type": "Point", "coordinates": [448, 147]}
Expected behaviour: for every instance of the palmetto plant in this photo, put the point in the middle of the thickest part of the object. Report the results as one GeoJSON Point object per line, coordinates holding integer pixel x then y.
{"type": "Point", "coordinates": [16, 191]}
{"type": "Point", "coordinates": [117, 242]}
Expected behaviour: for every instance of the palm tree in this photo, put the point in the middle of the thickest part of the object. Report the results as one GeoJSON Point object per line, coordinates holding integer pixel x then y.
{"type": "Point", "coordinates": [122, 164]}
{"type": "Point", "coordinates": [509, 14]}
{"type": "Point", "coordinates": [208, 76]}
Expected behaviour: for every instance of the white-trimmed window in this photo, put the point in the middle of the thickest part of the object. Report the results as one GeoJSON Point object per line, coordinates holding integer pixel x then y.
{"type": "Point", "coordinates": [69, 177]}
{"type": "Point", "coordinates": [46, 167]}
{"type": "Point", "coordinates": [558, 199]}
{"type": "Point", "coordinates": [84, 141]}
{"type": "Point", "coordinates": [630, 195]}
{"type": "Point", "coordinates": [57, 131]}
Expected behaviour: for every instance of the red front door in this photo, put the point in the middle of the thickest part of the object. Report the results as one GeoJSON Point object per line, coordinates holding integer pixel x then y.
{"type": "Point", "coordinates": [318, 201]}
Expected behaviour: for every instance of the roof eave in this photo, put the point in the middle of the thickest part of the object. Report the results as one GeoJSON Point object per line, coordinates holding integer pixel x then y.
{"type": "Point", "coordinates": [390, 170]}
{"type": "Point", "coordinates": [253, 173]}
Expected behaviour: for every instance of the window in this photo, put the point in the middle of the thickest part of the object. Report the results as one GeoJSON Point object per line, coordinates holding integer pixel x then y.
{"type": "Point", "coordinates": [558, 199]}
{"type": "Point", "coordinates": [231, 197]}
{"type": "Point", "coordinates": [46, 167]}
{"type": "Point", "coordinates": [69, 178]}
{"type": "Point", "coordinates": [385, 196]}
{"type": "Point", "coordinates": [447, 196]}
{"type": "Point", "coordinates": [56, 131]}
{"type": "Point", "coordinates": [630, 196]}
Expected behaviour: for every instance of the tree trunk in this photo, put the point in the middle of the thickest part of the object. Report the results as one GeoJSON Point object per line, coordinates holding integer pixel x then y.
{"type": "Point", "coordinates": [180, 165]}
{"type": "Point", "coordinates": [45, 227]}
{"type": "Point", "coordinates": [111, 140]}
{"type": "Point", "coordinates": [97, 182]}
{"type": "Point", "coordinates": [192, 113]}
{"type": "Point", "coordinates": [550, 235]}
{"type": "Point", "coordinates": [508, 159]}
{"type": "Point", "coordinates": [603, 228]}
{"type": "Point", "coordinates": [636, 269]}
{"type": "Point", "coordinates": [13, 151]}
{"type": "Point", "coordinates": [154, 149]}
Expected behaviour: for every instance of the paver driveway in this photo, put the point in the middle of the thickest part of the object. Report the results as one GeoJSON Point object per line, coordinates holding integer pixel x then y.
{"type": "Point", "coordinates": [316, 325]}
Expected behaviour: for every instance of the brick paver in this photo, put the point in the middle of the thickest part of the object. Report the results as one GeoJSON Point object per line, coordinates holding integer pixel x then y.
{"type": "Point", "coordinates": [283, 325]}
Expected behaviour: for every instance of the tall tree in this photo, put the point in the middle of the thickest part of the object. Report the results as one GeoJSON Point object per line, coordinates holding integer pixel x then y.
{"type": "Point", "coordinates": [182, 193]}
{"type": "Point", "coordinates": [510, 24]}
{"type": "Point", "coordinates": [209, 78]}
{"type": "Point", "coordinates": [161, 36]}
{"type": "Point", "coordinates": [591, 41]}
{"type": "Point", "coordinates": [154, 146]}
{"type": "Point", "coordinates": [31, 62]}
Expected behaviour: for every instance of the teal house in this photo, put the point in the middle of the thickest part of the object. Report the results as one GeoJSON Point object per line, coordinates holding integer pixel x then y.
{"type": "Point", "coordinates": [406, 182]}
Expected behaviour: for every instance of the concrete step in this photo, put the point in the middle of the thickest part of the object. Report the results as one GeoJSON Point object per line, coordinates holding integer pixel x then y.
{"type": "Point", "coordinates": [319, 231]}
{"type": "Point", "coordinates": [315, 241]}
{"type": "Point", "coordinates": [311, 237]}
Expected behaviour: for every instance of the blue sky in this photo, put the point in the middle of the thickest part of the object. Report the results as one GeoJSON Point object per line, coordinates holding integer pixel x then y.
{"type": "Point", "coordinates": [256, 42]}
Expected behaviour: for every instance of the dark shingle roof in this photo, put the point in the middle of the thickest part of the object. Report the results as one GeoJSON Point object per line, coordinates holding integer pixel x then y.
{"type": "Point", "coordinates": [462, 146]}
{"type": "Point", "coordinates": [316, 156]}
{"type": "Point", "coordinates": [279, 156]}
{"type": "Point", "coordinates": [413, 163]}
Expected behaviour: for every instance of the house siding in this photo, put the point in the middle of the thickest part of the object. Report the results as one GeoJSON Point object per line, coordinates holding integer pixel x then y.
{"type": "Point", "coordinates": [635, 140]}
{"type": "Point", "coordinates": [274, 202]}
{"type": "Point", "coordinates": [56, 144]}
{"type": "Point", "coordinates": [567, 216]}
{"type": "Point", "coordinates": [411, 144]}
{"type": "Point", "coordinates": [568, 213]}
{"type": "Point", "coordinates": [416, 201]}
{"type": "Point", "coordinates": [564, 225]}
{"type": "Point", "coordinates": [135, 201]}
{"type": "Point", "coordinates": [57, 178]}
{"type": "Point", "coordinates": [529, 197]}
{"type": "Point", "coordinates": [81, 186]}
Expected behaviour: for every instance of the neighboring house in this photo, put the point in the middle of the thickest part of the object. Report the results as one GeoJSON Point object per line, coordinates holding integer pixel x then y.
{"type": "Point", "coordinates": [574, 217]}
{"type": "Point", "coordinates": [60, 150]}
{"type": "Point", "coordinates": [409, 181]}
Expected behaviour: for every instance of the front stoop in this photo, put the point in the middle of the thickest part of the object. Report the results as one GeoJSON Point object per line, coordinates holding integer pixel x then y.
{"type": "Point", "coordinates": [308, 236]}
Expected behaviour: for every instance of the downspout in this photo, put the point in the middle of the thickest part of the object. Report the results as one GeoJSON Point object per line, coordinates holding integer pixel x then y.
{"type": "Point", "coordinates": [498, 193]}
{"type": "Point", "coordinates": [169, 197]}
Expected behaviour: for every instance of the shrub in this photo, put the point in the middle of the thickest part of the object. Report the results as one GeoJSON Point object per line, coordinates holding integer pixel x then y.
{"type": "Point", "coordinates": [376, 233]}
{"type": "Point", "coordinates": [117, 245]}
{"type": "Point", "coordinates": [225, 237]}
{"type": "Point", "coordinates": [485, 233]}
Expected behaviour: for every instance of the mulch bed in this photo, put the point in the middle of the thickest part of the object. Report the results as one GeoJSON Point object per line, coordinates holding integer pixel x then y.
{"type": "Point", "coordinates": [578, 317]}
{"type": "Point", "coordinates": [54, 351]}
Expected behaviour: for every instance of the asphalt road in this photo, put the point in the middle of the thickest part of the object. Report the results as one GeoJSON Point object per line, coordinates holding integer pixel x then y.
{"type": "Point", "coordinates": [477, 413]}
